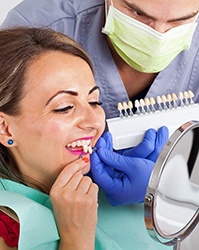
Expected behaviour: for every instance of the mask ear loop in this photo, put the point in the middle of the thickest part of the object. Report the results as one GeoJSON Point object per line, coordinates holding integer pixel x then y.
{"type": "Point", "coordinates": [196, 18]}
{"type": "Point", "coordinates": [106, 7]}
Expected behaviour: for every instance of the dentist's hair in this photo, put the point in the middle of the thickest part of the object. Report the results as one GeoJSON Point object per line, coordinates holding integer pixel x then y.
{"type": "Point", "coordinates": [18, 48]}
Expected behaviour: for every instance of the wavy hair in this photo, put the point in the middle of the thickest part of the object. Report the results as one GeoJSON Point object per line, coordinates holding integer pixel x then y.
{"type": "Point", "coordinates": [18, 48]}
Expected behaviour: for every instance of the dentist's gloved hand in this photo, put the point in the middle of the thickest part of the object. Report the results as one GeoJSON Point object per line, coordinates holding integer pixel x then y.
{"type": "Point", "coordinates": [150, 147]}
{"type": "Point", "coordinates": [124, 178]}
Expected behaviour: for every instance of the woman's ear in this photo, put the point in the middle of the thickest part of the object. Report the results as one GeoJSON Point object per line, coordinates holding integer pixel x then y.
{"type": "Point", "coordinates": [5, 136]}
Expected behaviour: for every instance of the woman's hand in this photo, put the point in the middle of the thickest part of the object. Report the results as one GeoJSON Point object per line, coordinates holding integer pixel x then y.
{"type": "Point", "coordinates": [75, 201]}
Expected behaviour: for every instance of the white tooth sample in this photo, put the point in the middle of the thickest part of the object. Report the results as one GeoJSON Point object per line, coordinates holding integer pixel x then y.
{"type": "Point", "coordinates": [119, 107]}
{"type": "Point", "coordinates": [147, 103]}
{"type": "Point", "coordinates": [69, 145]}
{"type": "Point", "coordinates": [130, 106]}
{"type": "Point", "coordinates": [186, 96]}
{"type": "Point", "coordinates": [181, 97]}
{"type": "Point", "coordinates": [159, 101]}
{"type": "Point", "coordinates": [125, 107]}
{"type": "Point", "coordinates": [152, 102]}
{"type": "Point", "coordinates": [90, 150]}
{"type": "Point", "coordinates": [142, 104]}
{"type": "Point", "coordinates": [73, 144]}
{"type": "Point", "coordinates": [164, 100]}
{"type": "Point", "coordinates": [137, 105]}
{"type": "Point", "coordinates": [169, 98]}
{"type": "Point", "coordinates": [85, 148]}
{"type": "Point", "coordinates": [174, 98]}
{"type": "Point", "coordinates": [191, 95]}
{"type": "Point", "coordinates": [146, 100]}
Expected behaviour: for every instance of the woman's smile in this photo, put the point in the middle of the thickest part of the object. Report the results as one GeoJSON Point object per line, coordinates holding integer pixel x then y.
{"type": "Point", "coordinates": [79, 146]}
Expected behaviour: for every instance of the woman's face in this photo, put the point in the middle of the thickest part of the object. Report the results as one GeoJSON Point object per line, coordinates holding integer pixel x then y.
{"type": "Point", "coordinates": [59, 111]}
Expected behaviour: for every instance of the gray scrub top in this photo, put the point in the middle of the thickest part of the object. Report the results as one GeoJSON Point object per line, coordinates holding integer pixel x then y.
{"type": "Point", "coordinates": [83, 21]}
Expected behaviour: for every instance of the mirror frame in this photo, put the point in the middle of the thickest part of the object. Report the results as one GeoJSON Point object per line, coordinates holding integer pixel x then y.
{"type": "Point", "coordinates": [150, 198]}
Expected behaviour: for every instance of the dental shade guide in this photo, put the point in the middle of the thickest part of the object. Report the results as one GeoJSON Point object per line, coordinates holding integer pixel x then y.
{"type": "Point", "coordinates": [171, 111]}
{"type": "Point", "coordinates": [87, 149]}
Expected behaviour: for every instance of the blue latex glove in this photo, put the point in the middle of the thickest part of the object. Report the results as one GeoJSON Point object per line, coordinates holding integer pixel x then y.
{"type": "Point", "coordinates": [150, 147]}
{"type": "Point", "coordinates": [123, 178]}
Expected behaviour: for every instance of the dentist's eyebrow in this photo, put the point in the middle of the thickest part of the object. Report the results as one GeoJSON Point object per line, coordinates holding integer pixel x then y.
{"type": "Point", "coordinates": [135, 8]}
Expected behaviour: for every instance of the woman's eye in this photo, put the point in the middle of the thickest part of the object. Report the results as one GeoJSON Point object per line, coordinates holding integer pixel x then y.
{"type": "Point", "coordinates": [94, 104]}
{"type": "Point", "coordinates": [63, 110]}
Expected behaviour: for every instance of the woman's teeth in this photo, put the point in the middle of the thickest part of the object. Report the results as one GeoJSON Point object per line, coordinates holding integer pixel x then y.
{"type": "Point", "coordinates": [82, 143]}
{"type": "Point", "coordinates": [79, 143]}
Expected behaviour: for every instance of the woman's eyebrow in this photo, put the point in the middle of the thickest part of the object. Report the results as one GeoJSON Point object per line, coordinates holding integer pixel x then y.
{"type": "Point", "coordinates": [70, 92]}
{"type": "Point", "coordinates": [93, 89]}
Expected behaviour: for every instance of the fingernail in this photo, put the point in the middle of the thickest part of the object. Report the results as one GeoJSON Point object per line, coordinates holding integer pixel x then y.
{"type": "Point", "coordinates": [85, 159]}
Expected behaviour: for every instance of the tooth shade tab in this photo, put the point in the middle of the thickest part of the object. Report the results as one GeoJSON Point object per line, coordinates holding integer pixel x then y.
{"type": "Point", "coordinates": [191, 95]}
{"type": "Point", "coordinates": [159, 101]}
{"type": "Point", "coordinates": [169, 99]}
{"type": "Point", "coordinates": [125, 107]}
{"type": "Point", "coordinates": [120, 108]}
{"type": "Point", "coordinates": [181, 97]}
{"type": "Point", "coordinates": [164, 102]}
{"type": "Point", "coordinates": [87, 149]}
{"type": "Point", "coordinates": [130, 108]}
{"type": "Point", "coordinates": [137, 105]}
{"type": "Point", "coordinates": [186, 96]}
{"type": "Point", "coordinates": [130, 105]}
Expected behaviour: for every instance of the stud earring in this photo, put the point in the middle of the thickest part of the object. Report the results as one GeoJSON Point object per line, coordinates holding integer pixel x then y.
{"type": "Point", "coordinates": [10, 142]}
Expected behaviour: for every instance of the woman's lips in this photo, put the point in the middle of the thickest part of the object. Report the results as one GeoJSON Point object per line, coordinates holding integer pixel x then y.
{"type": "Point", "coordinates": [75, 151]}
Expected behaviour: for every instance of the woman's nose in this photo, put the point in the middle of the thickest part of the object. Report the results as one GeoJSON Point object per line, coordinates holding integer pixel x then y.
{"type": "Point", "coordinates": [91, 118]}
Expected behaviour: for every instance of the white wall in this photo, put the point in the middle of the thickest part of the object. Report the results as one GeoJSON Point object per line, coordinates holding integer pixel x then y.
{"type": "Point", "coordinates": [5, 6]}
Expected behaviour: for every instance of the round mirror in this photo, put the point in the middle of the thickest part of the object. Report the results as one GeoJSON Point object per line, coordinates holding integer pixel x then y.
{"type": "Point", "coordinates": [172, 199]}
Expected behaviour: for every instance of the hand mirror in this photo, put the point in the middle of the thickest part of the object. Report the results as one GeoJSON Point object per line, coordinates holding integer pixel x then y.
{"type": "Point", "coordinates": [172, 199]}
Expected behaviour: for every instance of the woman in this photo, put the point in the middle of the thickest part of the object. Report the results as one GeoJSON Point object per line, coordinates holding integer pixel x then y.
{"type": "Point", "coordinates": [50, 103]}
{"type": "Point", "coordinates": [49, 112]}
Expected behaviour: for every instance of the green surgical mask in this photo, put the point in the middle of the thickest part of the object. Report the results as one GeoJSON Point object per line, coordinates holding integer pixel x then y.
{"type": "Point", "coordinates": [142, 47]}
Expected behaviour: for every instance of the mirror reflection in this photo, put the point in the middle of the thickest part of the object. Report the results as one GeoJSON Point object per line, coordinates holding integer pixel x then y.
{"type": "Point", "coordinates": [172, 199]}
{"type": "Point", "coordinates": [178, 191]}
